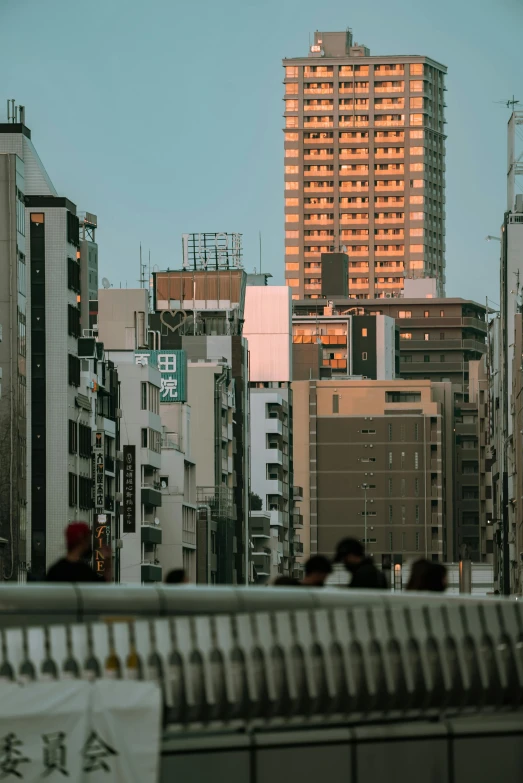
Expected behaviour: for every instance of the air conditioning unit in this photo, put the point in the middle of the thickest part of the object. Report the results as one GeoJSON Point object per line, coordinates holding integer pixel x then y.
{"type": "Point", "coordinates": [118, 497]}
{"type": "Point", "coordinates": [119, 456]}
{"type": "Point", "coordinates": [118, 413]}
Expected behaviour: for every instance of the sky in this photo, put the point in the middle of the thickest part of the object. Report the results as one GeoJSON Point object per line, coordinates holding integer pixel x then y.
{"type": "Point", "coordinates": [165, 117]}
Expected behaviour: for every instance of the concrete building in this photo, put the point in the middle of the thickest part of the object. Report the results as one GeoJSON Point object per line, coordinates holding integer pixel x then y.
{"type": "Point", "coordinates": [374, 451]}
{"type": "Point", "coordinates": [53, 369]}
{"type": "Point", "coordinates": [160, 533]}
{"type": "Point", "coordinates": [201, 311]}
{"type": "Point", "coordinates": [13, 369]}
{"type": "Point", "coordinates": [349, 345]}
{"type": "Point", "coordinates": [268, 331]}
{"type": "Point", "coordinates": [364, 167]}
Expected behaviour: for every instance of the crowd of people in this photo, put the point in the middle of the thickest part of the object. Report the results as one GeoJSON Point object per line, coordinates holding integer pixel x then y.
{"type": "Point", "coordinates": [350, 567]}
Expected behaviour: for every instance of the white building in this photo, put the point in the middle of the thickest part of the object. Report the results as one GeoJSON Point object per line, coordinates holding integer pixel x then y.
{"type": "Point", "coordinates": [268, 330]}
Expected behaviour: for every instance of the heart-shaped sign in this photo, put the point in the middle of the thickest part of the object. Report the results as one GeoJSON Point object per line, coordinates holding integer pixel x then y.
{"type": "Point", "coordinates": [173, 313]}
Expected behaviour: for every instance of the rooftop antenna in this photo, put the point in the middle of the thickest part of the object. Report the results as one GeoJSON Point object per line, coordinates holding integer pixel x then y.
{"type": "Point", "coordinates": [509, 103]}
{"type": "Point", "coordinates": [142, 279]}
{"type": "Point", "coordinates": [260, 253]}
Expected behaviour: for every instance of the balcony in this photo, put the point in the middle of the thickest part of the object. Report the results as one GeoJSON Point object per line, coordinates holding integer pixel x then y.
{"type": "Point", "coordinates": [352, 123]}
{"type": "Point", "coordinates": [316, 187]}
{"type": "Point", "coordinates": [317, 141]}
{"type": "Point", "coordinates": [310, 221]}
{"type": "Point", "coordinates": [318, 124]}
{"type": "Point", "coordinates": [388, 123]}
{"type": "Point", "coordinates": [318, 91]}
{"type": "Point", "coordinates": [324, 156]}
{"type": "Point", "coordinates": [151, 534]}
{"type": "Point", "coordinates": [384, 104]}
{"type": "Point", "coordinates": [259, 525]}
{"type": "Point", "coordinates": [151, 496]}
{"type": "Point", "coordinates": [273, 456]}
{"type": "Point", "coordinates": [388, 72]}
{"type": "Point", "coordinates": [274, 487]}
{"type": "Point", "coordinates": [353, 187]}
{"type": "Point", "coordinates": [430, 367]}
{"type": "Point", "coordinates": [297, 519]}
{"type": "Point", "coordinates": [388, 155]}
{"type": "Point", "coordinates": [379, 188]}
{"type": "Point", "coordinates": [394, 88]}
{"type": "Point", "coordinates": [151, 572]}
{"type": "Point", "coordinates": [320, 107]}
{"type": "Point", "coordinates": [276, 517]}
{"type": "Point", "coordinates": [317, 75]}
{"type": "Point", "coordinates": [297, 493]}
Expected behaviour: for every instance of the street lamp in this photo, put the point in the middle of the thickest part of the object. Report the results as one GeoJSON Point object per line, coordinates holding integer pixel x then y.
{"type": "Point", "coordinates": [365, 487]}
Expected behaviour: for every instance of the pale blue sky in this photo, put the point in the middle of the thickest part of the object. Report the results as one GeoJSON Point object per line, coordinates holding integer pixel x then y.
{"type": "Point", "coordinates": [164, 117]}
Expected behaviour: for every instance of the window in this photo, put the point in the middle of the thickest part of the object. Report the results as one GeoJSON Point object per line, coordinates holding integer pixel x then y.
{"type": "Point", "coordinates": [416, 216]}
{"type": "Point", "coordinates": [73, 490]}
{"type": "Point", "coordinates": [442, 313]}
{"type": "Point", "coordinates": [291, 71]}
{"type": "Point", "coordinates": [395, 396]}
{"type": "Point", "coordinates": [20, 212]}
{"type": "Point", "coordinates": [335, 403]}
{"type": "Point", "coordinates": [292, 137]}
{"type": "Point", "coordinates": [22, 281]}
{"type": "Point", "coordinates": [22, 344]}
{"type": "Point", "coordinates": [292, 186]}
{"type": "Point", "coordinates": [73, 437]}
{"type": "Point", "coordinates": [144, 438]}
{"type": "Point", "coordinates": [291, 89]}
{"type": "Point", "coordinates": [406, 335]}
{"type": "Point", "coordinates": [405, 314]}
{"type": "Point", "coordinates": [416, 134]}
{"type": "Point", "coordinates": [155, 441]}
{"type": "Point", "coordinates": [416, 103]}
{"type": "Point", "coordinates": [403, 515]}
{"type": "Point", "coordinates": [291, 122]}
{"type": "Point", "coordinates": [368, 513]}
{"type": "Point", "coordinates": [390, 542]}
{"type": "Point", "coordinates": [470, 493]}
{"type": "Point", "coordinates": [73, 321]}
{"type": "Point", "coordinates": [426, 336]}
{"type": "Point", "coordinates": [416, 86]}
{"type": "Point", "coordinates": [416, 200]}
{"type": "Point", "coordinates": [292, 153]}
{"type": "Point", "coordinates": [402, 460]}
{"type": "Point", "coordinates": [416, 431]}
{"type": "Point", "coordinates": [85, 492]}
{"type": "Point", "coordinates": [291, 105]}
{"type": "Point", "coordinates": [84, 441]}
{"type": "Point", "coordinates": [74, 370]}
{"type": "Point", "coordinates": [416, 460]}
{"type": "Point", "coordinates": [364, 333]}
{"type": "Point", "coordinates": [73, 275]}
{"type": "Point", "coordinates": [416, 513]}
{"type": "Point", "coordinates": [416, 488]}
{"type": "Point", "coordinates": [416, 69]}
{"type": "Point", "coordinates": [403, 487]}
{"type": "Point", "coordinates": [292, 169]}
{"type": "Point", "coordinates": [417, 542]}
{"type": "Point", "coordinates": [292, 234]}
{"type": "Point", "coordinates": [292, 202]}
{"type": "Point", "coordinates": [292, 266]}
{"type": "Point", "coordinates": [22, 395]}
{"type": "Point", "coordinates": [293, 282]}
{"type": "Point", "coordinates": [390, 514]}
{"type": "Point", "coordinates": [143, 398]}
{"type": "Point", "coordinates": [390, 460]}
{"type": "Point", "coordinates": [426, 359]}
{"type": "Point", "coordinates": [368, 459]}
{"type": "Point", "coordinates": [416, 119]}
{"type": "Point", "coordinates": [416, 166]}
{"type": "Point", "coordinates": [390, 488]}
{"type": "Point", "coordinates": [368, 432]}
{"type": "Point", "coordinates": [390, 431]}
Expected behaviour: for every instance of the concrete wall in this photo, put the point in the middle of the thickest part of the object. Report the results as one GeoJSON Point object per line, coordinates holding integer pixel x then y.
{"type": "Point", "coordinates": [268, 330]}
{"type": "Point", "coordinates": [117, 308]}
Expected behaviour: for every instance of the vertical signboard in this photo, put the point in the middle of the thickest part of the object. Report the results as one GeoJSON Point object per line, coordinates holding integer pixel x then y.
{"type": "Point", "coordinates": [102, 536]}
{"type": "Point", "coordinates": [129, 489]}
{"type": "Point", "coordinates": [173, 369]}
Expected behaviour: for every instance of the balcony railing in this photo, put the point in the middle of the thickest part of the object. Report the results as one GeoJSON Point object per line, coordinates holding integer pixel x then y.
{"type": "Point", "coordinates": [323, 107]}
{"type": "Point", "coordinates": [318, 91]}
{"type": "Point", "coordinates": [322, 124]}
{"type": "Point", "coordinates": [401, 88]}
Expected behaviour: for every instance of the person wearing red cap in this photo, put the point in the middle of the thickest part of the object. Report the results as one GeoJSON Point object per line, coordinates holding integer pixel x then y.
{"type": "Point", "coordinates": [74, 567]}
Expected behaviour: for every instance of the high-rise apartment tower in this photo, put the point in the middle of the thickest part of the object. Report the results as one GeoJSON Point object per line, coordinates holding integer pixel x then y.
{"type": "Point", "coordinates": [364, 167]}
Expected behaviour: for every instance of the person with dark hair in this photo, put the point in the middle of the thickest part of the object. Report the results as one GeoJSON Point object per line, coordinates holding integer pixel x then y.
{"type": "Point", "coordinates": [74, 567]}
{"type": "Point", "coordinates": [317, 569]}
{"type": "Point", "coordinates": [285, 581]}
{"type": "Point", "coordinates": [176, 577]}
{"type": "Point", "coordinates": [365, 575]}
{"type": "Point", "coordinates": [426, 576]}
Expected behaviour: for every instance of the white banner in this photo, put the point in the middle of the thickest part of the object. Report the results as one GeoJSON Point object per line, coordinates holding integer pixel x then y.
{"type": "Point", "coordinates": [85, 732]}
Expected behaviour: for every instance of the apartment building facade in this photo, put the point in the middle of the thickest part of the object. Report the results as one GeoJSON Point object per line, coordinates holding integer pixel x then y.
{"type": "Point", "coordinates": [268, 331]}
{"type": "Point", "coordinates": [374, 451]}
{"type": "Point", "coordinates": [13, 368]}
{"type": "Point", "coordinates": [364, 148]}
